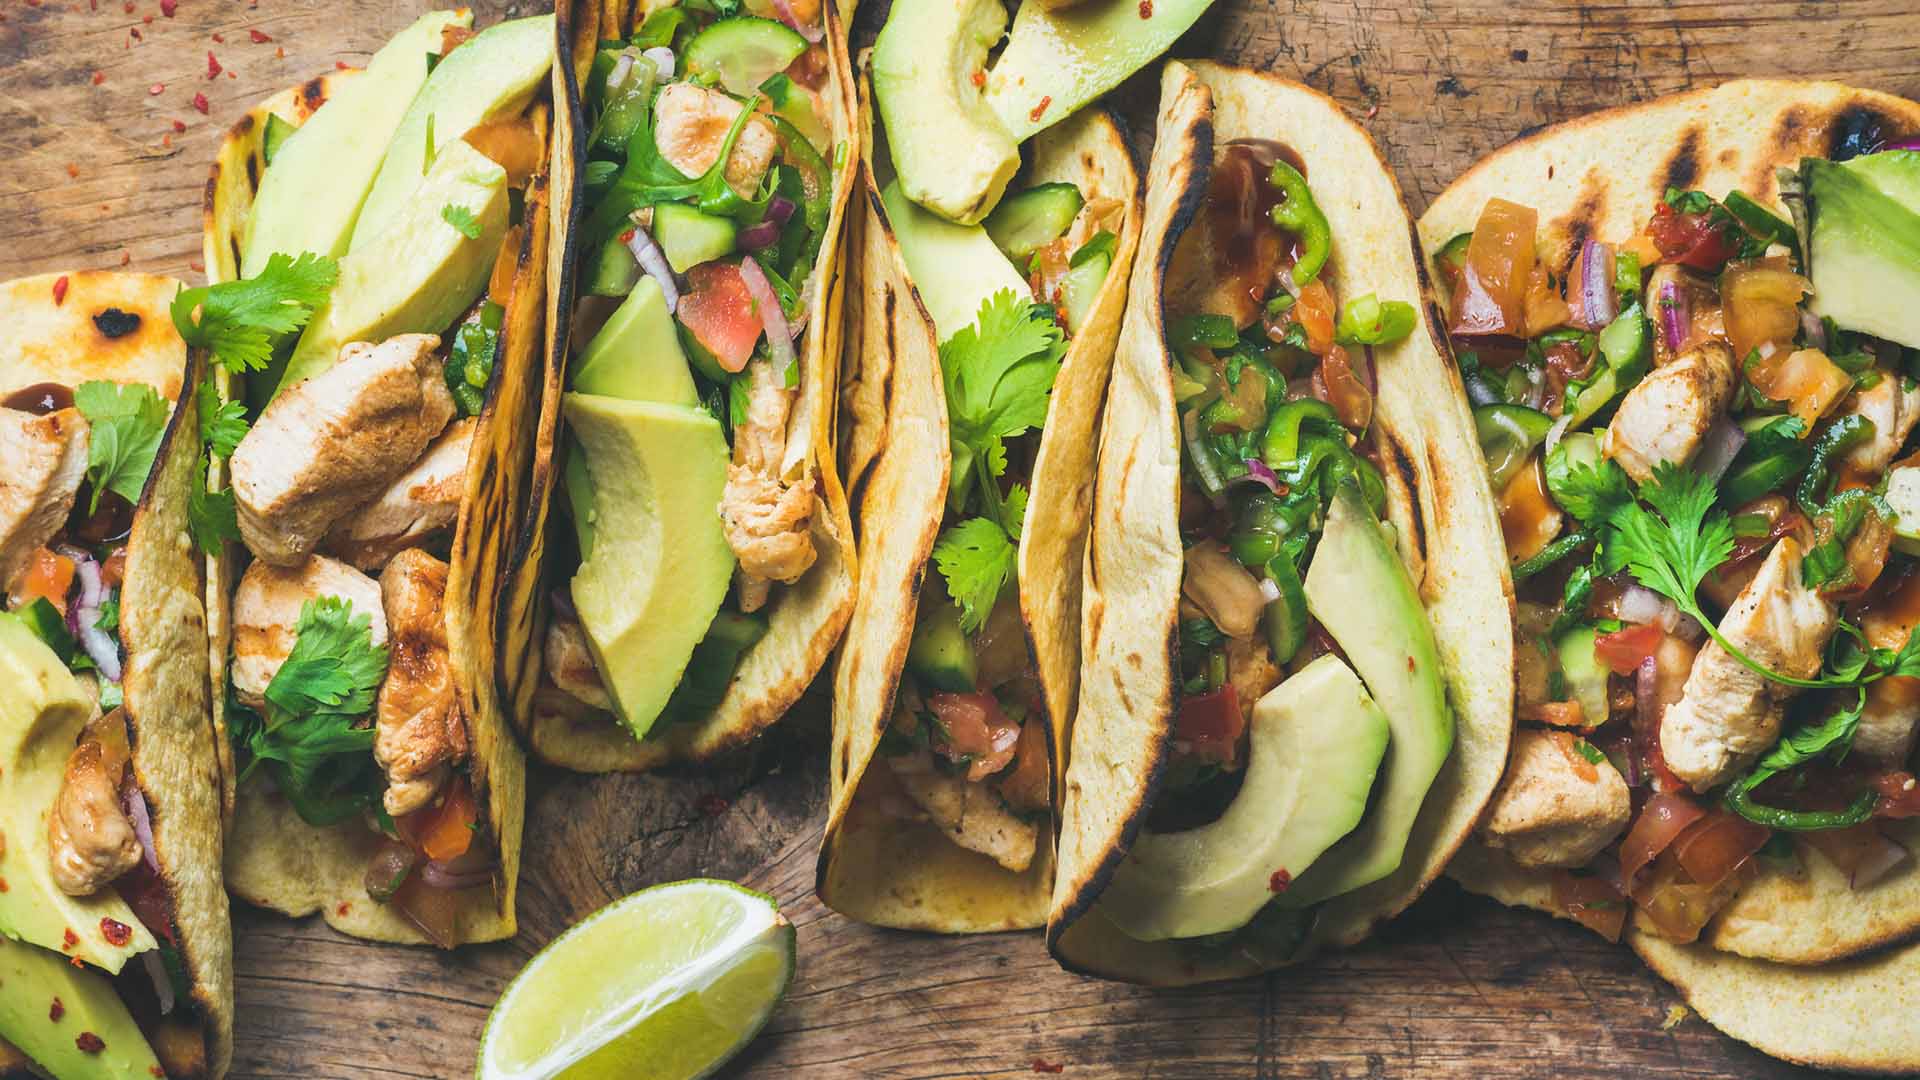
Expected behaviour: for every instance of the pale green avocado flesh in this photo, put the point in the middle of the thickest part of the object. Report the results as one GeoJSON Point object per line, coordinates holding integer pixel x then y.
{"type": "Point", "coordinates": [1391, 645]}
{"type": "Point", "coordinates": [494, 74]}
{"type": "Point", "coordinates": [31, 980]}
{"type": "Point", "coordinates": [1057, 61]}
{"type": "Point", "coordinates": [1315, 744]}
{"type": "Point", "coordinates": [660, 564]}
{"type": "Point", "coordinates": [637, 354]}
{"type": "Point", "coordinates": [955, 268]}
{"type": "Point", "coordinates": [311, 196]}
{"type": "Point", "coordinates": [952, 154]}
{"type": "Point", "coordinates": [418, 275]}
{"type": "Point", "coordinates": [1863, 242]}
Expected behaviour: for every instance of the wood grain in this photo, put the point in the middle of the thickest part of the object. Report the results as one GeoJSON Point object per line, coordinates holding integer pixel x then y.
{"type": "Point", "coordinates": [98, 176]}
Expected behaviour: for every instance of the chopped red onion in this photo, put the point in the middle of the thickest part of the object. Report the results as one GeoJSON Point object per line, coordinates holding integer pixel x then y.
{"type": "Point", "coordinates": [654, 262]}
{"type": "Point", "coordinates": [1639, 604]}
{"type": "Point", "coordinates": [135, 804]}
{"type": "Point", "coordinates": [1902, 144]}
{"type": "Point", "coordinates": [1646, 721]}
{"type": "Point", "coordinates": [1269, 589]}
{"type": "Point", "coordinates": [766, 232]}
{"type": "Point", "coordinates": [84, 613]}
{"type": "Point", "coordinates": [1598, 302]}
{"type": "Point", "coordinates": [1815, 330]}
{"type": "Point", "coordinates": [440, 875]}
{"type": "Point", "coordinates": [1675, 317]}
{"type": "Point", "coordinates": [162, 982]}
{"type": "Point", "coordinates": [1717, 450]}
{"type": "Point", "coordinates": [1558, 430]}
{"type": "Point", "coordinates": [1258, 472]}
{"type": "Point", "coordinates": [662, 59]}
{"type": "Point", "coordinates": [779, 336]}
{"type": "Point", "coordinates": [806, 30]}
{"type": "Point", "coordinates": [622, 67]}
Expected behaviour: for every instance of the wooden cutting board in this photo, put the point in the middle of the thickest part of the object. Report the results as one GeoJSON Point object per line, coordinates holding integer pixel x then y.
{"type": "Point", "coordinates": [109, 114]}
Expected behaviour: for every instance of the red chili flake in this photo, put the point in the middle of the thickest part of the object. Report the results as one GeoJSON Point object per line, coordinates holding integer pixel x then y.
{"type": "Point", "coordinates": [181, 125]}
{"type": "Point", "coordinates": [213, 66]}
{"type": "Point", "coordinates": [1042, 1065]}
{"type": "Point", "coordinates": [117, 933]}
{"type": "Point", "coordinates": [58, 1010]}
{"type": "Point", "coordinates": [3, 881]}
{"type": "Point", "coordinates": [60, 297]}
{"type": "Point", "coordinates": [99, 77]}
{"type": "Point", "coordinates": [626, 237]}
{"type": "Point", "coordinates": [345, 906]}
{"type": "Point", "coordinates": [147, 19]}
{"type": "Point", "coordinates": [1040, 108]}
{"type": "Point", "coordinates": [93, 5]}
{"type": "Point", "coordinates": [279, 54]}
{"type": "Point", "coordinates": [232, 74]}
{"type": "Point", "coordinates": [167, 7]}
{"type": "Point", "coordinates": [127, 7]}
{"type": "Point", "coordinates": [156, 89]}
{"type": "Point", "coordinates": [167, 139]}
{"type": "Point", "coordinates": [217, 39]}
{"type": "Point", "coordinates": [135, 31]}
{"type": "Point", "coordinates": [980, 78]}
{"type": "Point", "coordinates": [89, 1043]}
{"type": "Point", "coordinates": [33, 3]}
{"type": "Point", "coordinates": [73, 171]}
{"type": "Point", "coordinates": [157, 1071]}
{"type": "Point", "coordinates": [195, 266]}
{"type": "Point", "coordinates": [126, 257]}
{"type": "Point", "coordinates": [1409, 663]}
{"type": "Point", "coordinates": [343, 65]}
{"type": "Point", "coordinates": [259, 37]}
{"type": "Point", "coordinates": [200, 103]}
{"type": "Point", "coordinates": [1146, 9]}
{"type": "Point", "coordinates": [77, 963]}
{"type": "Point", "coordinates": [68, 938]}
{"type": "Point", "coordinates": [1279, 881]}
{"type": "Point", "coordinates": [712, 805]}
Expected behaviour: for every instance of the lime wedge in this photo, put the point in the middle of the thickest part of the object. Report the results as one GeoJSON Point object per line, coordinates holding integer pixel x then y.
{"type": "Point", "coordinates": [667, 983]}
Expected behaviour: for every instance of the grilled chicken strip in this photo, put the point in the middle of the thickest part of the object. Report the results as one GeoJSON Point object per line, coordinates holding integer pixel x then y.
{"type": "Point", "coordinates": [974, 815]}
{"type": "Point", "coordinates": [46, 458]}
{"type": "Point", "coordinates": [767, 519]}
{"type": "Point", "coordinates": [1893, 404]}
{"type": "Point", "coordinates": [1665, 416]}
{"type": "Point", "coordinates": [90, 838]}
{"type": "Point", "coordinates": [1547, 813]}
{"type": "Point", "coordinates": [1892, 713]}
{"type": "Point", "coordinates": [266, 609]}
{"type": "Point", "coordinates": [419, 732]}
{"type": "Point", "coordinates": [1727, 714]}
{"type": "Point", "coordinates": [423, 502]}
{"type": "Point", "coordinates": [336, 440]}
{"type": "Point", "coordinates": [690, 125]}
{"type": "Point", "coordinates": [570, 663]}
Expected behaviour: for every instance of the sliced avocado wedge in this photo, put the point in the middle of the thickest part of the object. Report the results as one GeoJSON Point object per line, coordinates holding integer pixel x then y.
{"type": "Point", "coordinates": [31, 980]}
{"type": "Point", "coordinates": [953, 155]}
{"type": "Point", "coordinates": [41, 715]}
{"type": "Point", "coordinates": [311, 194]}
{"type": "Point", "coordinates": [1059, 60]}
{"type": "Point", "coordinates": [1391, 645]}
{"type": "Point", "coordinates": [1315, 744]}
{"type": "Point", "coordinates": [494, 74]}
{"type": "Point", "coordinates": [660, 564]}
{"type": "Point", "coordinates": [421, 274]}
{"type": "Point", "coordinates": [636, 355]}
{"type": "Point", "coordinates": [955, 268]}
{"type": "Point", "coordinates": [940, 654]}
{"type": "Point", "coordinates": [1863, 244]}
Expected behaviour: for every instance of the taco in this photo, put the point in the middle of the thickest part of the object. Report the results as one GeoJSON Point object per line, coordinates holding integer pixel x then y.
{"type": "Point", "coordinates": [1291, 713]}
{"type": "Point", "coordinates": [1687, 331]}
{"type": "Point", "coordinates": [115, 950]}
{"type": "Point", "coordinates": [686, 418]}
{"type": "Point", "coordinates": [377, 246]}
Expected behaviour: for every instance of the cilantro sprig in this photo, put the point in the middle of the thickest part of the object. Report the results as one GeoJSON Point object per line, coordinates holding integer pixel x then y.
{"type": "Point", "coordinates": [998, 373]}
{"type": "Point", "coordinates": [127, 422]}
{"type": "Point", "coordinates": [239, 322]}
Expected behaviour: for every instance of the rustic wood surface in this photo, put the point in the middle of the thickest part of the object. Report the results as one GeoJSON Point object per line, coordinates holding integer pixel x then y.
{"type": "Point", "coordinates": [109, 114]}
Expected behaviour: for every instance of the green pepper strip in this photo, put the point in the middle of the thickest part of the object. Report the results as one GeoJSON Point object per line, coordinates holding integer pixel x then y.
{"type": "Point", "coordinates": [1301, 216]}
{"type": "Point", "coordinates": [1740, 800]}
{"type": "Point", "coordinates": [1551, 554]}
{"type": "Point", "coordinates": [1844, 435]}
{"type": "Point", "coordinates": [1282, 443]}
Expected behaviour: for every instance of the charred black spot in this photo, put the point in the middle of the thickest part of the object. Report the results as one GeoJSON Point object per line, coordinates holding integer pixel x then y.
{"type": "Point", "coordinates": [115, 323]}
{"type": "Point", "coordinates": [313, 93]}
{"type": "Point", "coordinates": [1394, 456]}
{"type": "Point", "coordinates": [1857, 130]}
{"type": "Point", "coordinates": [253, 173]}
{"type": "Point", "coordinates": [1683, 168]}
{"type": "Point", "coordinates": [1788, 128]}
{"type": "Point", "coordinates": [1519, 56]}
{"type": "Point", "coordinates": [1451, 87]}
{"type": "Point", "coordinates": [1579, 223]}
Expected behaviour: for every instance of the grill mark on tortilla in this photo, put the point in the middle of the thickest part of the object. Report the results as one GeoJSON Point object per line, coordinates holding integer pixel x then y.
{"type": "Point", "coordinates": [1682, 170]}
{"type": "Point", "coordinates": [1580, 222]}
{"type": "Point", "coordinates": [313, 94]}
{"type": "Point", "coordinates": [1857, 117]}
{"type": "Point", "coordinates": [1395, 455]}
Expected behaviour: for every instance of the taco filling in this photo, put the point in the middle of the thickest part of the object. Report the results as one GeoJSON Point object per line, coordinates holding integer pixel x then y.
{"type": "Point", "coordinates": [1698, 439]}
{"type": "Point", "coordinates": [689, 467]}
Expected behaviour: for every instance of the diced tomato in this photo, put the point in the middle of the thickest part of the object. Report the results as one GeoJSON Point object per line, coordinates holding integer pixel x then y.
{"type": "Point", "coordinates": [1760, 300]}
{"type": "Point", "coordinates": [1528, 518]}
{"type": "Point", "coordinates": [1592, 901]}
{"type": "Point", "coordinates": [1560, 714]}
{"type": "Point", "coordinates": [445, 830]}
{"type": "Point", "coordinates": [1491, 299]}
{"type": "Point", "coordinates": [1211, 724]}
{"type": "Point", "coordinates": [1350, 398]}
{"type": "Point", "coordinates": [1545, 310]}
{"type": "Point", "coordinates": [719, 310]}
{"type": "Point", "coordinates": [113, 570]}
{"type": "Point", "coordinates": [1716, 845]}
{"type": "Point", "coordinates": [1664, 817]}
{"type": "Point", "coordinates": [1678, 908]}
{"type": "Point", "coordinates": [1694, 240]}
{"type": "Point", "coordinates": [1805, 379]}
{"type": "Point", "coordinates": [1899, 794]}
{"type": "Point", "coordinates": [1623, 650]}
{"type": "Point", "coordinates": [975, 730]}
{"type": "Point", "coordinates": [48, 576]}
{"type": "Point", "coordinates": [1027, 785]}
{"type": "Point", "coordinates": [1314, 313]}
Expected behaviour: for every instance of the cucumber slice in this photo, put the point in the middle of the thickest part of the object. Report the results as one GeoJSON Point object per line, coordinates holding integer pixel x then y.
{"type": "Point", "coordinates": [792, 104]}
{"type": "Point", "coordinates": [1508, 434]}
{"type": "Point", "coordinates": [689, 237]}
{"type": "Point", "coordinates": [277, 132]}
{"type": "Point", "coordinates": [1080, 286]}
{"type": "Point", "coordinates": [1586, 679]}
{"type": "Point", "coordinates": [940, 654]}
{"type": "Point", "coordinates": [743, 52]}
{"type": "Point", "coordinates": [1903, 498]}
{"type": "Point", "coordinates": [614, 272]}
{"type": "Point", "coordinates": [1023, 224]}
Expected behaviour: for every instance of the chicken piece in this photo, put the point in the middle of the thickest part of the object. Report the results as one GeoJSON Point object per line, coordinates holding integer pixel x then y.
{"type": "Point", "coordinates": [1693, 295]}
{"type": "Point", "coordinates": [805, 12]}
{"type": "Point", "coordinates": [419, 732]}
{"type": "Point", "coordinates": [336, 440]}
{"type": "Point", "coordinates": [1216, 583]}
{"type": "Point", "coordinates": [570, 663]}
{"type": "Point", "coordinates": [422, 503]}
{"type": "Point", "coordinates": [767, 527]}
{"type": "Point", "coordinates": [1250, 670]}
{"type": "Point", "coordinates": [266, 609]}
{"type": "Point", "coordinates": [1667, 414]}
{"type": "Point", "coordinates": [1892, 713]}
{"type": "Point", "coordinates": [972, 814]}
{"type": "Point", "coordinates": [46, 458]}
{"type": "Point", "coordinates": [90, 838]}
{"type": "Point", "coordinates": [690, 125]}
{"type": "Point", "coordinates": [1217, 269]}
{"type": "Point", "coordinates": [1893, 404]}
{"type": "Point", "coordinates": [1727, 714]}
{"type": "Point", "coordinates": [1547, 813]}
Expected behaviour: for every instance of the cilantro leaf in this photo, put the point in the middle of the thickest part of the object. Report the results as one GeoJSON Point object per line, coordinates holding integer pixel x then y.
{"type": "Point", "coordinates": [222, 426]}
{"type": "Point", "coordinates": [1590, 491]}
{"type": "Point", "coordinates": [1831, 737]}
{"type": "Point", "coordinates": [239, 321]}
{"type": "Point", "coordinates": [999, 373]}
{"type": "Point", "coordinates": [127, 422]}
{"type": "Point", "coordinates": [212, 516]}
{"type": "Point", "coordinates": [461, 219]}
{"type": "Point", "coordinates": [1670, 553]}
{"type": "Point", "coordinates": [334, 667]}
{"type": "Point", "coordinates": [1014, 513]}
{"type": "Point", "coordinates": [977, 559]}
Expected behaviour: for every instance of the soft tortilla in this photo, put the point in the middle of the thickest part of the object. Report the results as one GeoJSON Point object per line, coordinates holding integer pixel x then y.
{"type": "Point", "coordinates": [806, 619]}
{"type": "Point", "coordinates": [873, 866]}
{"type": "Point", "coordinates": [274, 859]}
{"type": "Point", "coordinates": [162, 618]}
{"type": "Point", "coordinates": [1601, 176]}
{"type": "Point", "coordinates": [1438, 500]}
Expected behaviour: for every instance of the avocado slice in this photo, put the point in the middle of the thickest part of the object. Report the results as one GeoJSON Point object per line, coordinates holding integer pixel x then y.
{"type": "Point", "coordinates": [952, 153]}
{"type": "Point", "coordinates": [1391, 644]}
{"type": "Point", "coordinates": [311, 193]}
{"type": "Point", "coordinates": [1315, 745]}
{"type": "Point", "coordinates": [660, 564]}
{"type": "Point", "coordinates": [41, 715]}
{"type": "Point", "coordinates": [495, 74]}
{"type": "Point", "coordinates": [955, 268]}
{"type": "Point", "coordinates": [940, 654]}
{"type": "Point", "coordinates": [421, 273]}
{"type": "Point", "coordinates": [1059, 60]}
{"type": "Point", "coordinates": [1863, 242]}
{"type": "Point", "coordinates": [636, 356]}
{"type": "Point", "coordinates": [31, 980]}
